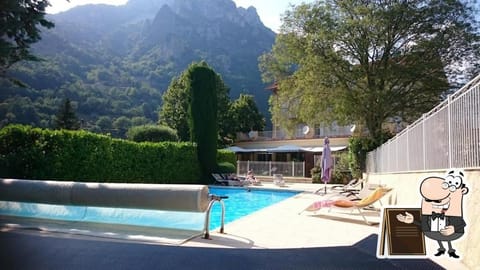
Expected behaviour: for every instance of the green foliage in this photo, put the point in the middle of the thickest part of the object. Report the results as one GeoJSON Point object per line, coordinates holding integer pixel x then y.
{"type": "Point", "coordinates": [34, 153]}
{"type": "Point", "coordinates": [152, 133]}
{"type": "Point", "coordinates": [20, 22]}
{"type": "Point", "coordinates": [226, 156]}
{"type": "Point", "coordinates": [368, 62]}
{"type": "Point", "coordinates": [341, 174]}
{"type": "Point", "coordinates": [358, 147]}
{"type": "Point", "coordinates": [203, 125]}
{"type": "Point", "coordinates": [176, 100]}
{"type": "Point", "coordinates": [245, 115]}
{"type": "Point", "coordinates": [226, 167]}
{"type": "Point", "coordinates": [118, 64]}
{"type": "Point", "coordinates": [316, 173]}
{"type": "Point", "coordinates": [174, 111]}
{"type": "Point", "coordinates": [66, 117]}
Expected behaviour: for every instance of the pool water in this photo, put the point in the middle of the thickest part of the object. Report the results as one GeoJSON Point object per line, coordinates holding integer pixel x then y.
{"type": "Point", "coordinates": [241, 202]}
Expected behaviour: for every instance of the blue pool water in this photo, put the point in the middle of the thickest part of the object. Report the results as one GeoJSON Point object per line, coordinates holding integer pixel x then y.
{"type": "Point", "coordinates": [240, 202]}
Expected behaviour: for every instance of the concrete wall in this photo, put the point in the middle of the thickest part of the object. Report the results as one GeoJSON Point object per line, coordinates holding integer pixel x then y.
{"type": "Point", "coordinates": [406, 193]}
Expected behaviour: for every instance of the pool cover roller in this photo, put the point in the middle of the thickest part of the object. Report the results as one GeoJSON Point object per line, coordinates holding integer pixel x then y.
{"type": "Point", "coordinates": [191, 198]}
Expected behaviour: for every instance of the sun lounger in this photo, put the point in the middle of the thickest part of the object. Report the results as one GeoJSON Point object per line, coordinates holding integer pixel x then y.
{"type": "Point", "coordinates": [345, 203]}
{"type": "Point", "coordinates": [352, 186]}
{"type": "Point", "coordinates": [219, 180]}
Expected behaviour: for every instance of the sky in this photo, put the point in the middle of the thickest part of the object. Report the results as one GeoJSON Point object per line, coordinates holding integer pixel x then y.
{"type": "Point", "coordinates": [269, 10]}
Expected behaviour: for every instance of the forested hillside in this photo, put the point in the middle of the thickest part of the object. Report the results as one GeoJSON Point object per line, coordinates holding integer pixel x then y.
{"type": "Point", "coordinates": [115, 62]}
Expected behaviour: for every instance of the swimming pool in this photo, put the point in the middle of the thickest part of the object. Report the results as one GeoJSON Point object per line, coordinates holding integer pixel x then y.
{"type": "Point", "coordinates": [241, 202]}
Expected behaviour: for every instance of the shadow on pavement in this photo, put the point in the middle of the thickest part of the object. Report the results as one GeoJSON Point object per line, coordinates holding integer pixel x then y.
{"type": "Point", "coordinates": [27, 250]}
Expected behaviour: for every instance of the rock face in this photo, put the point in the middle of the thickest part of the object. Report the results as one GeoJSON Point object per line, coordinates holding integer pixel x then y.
{"type": "Point", "coordinates": [145, 43]}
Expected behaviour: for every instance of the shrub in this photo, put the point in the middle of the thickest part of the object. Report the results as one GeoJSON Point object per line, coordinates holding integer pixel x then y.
{"type": "Point", "coordinates": [226, 155]}
{"type": "Point", "coordinates": [152, 133]}
{"type": "Point", "coordinates": [316, 173]}
{"type": "Point", "coordinates": [226, 167]}
{"type": "Point", "coordinates": [358, 148]}
{"type": "Point", "coordinates": [33, 153]}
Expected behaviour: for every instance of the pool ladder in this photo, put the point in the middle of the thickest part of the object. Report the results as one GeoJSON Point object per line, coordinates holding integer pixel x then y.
{"type": "Point", "coordinates": [213, 200]}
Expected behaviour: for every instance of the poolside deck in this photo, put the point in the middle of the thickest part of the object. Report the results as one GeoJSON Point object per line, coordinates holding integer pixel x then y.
{"type": "Point", "coordinates": [276, 237]}
{"type": "Point", "coordinates": [283, 226]}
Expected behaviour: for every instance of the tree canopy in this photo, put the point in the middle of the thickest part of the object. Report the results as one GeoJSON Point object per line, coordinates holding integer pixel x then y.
{"type": "Point", "coordinates": [245, 114]}
{"type": "Point", "coordinates": [176, 100]}
{"type": "Point", "coordinates": [20, 23]}
{"type": "Point", "coordinates": [241, 115]}
{"type": "Point", "coordinates": [368, 62]}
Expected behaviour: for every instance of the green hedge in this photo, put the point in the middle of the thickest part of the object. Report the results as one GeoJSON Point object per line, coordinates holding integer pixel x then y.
{"type": "Point", "coordinates": [226, 156]}
{"type": "Point", "coordinates": [33, 153]}
{"type": "Point", "coordinates": [152, 133]}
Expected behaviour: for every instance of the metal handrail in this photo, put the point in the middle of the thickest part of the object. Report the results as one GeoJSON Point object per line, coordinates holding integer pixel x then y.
{"type": "Point", "coordinates": [213, 200]}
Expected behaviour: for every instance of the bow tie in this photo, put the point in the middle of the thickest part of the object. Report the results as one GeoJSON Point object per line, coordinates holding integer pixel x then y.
{"type": "Point", "coordinates": [438, 215]}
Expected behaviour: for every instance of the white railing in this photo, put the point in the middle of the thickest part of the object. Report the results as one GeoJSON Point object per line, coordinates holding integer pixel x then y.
{"type": "Point", "coordinates": [269, 168]}
{"type": "Point", "coordinates": [446, 137]}
{"type": "Point", "coordinates": [279, 134]}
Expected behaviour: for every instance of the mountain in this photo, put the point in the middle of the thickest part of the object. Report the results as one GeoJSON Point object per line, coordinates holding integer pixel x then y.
{"type": "Point", "coordinates": [115, 62]}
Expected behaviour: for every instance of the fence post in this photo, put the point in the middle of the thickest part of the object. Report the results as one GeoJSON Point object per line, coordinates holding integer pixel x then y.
{"type": "Point", "coordinates": [424, 142]}
{"type": "Point", "coordinates": [449, 123]}
{"type": "Point", "coordinates": [293, 168]}
{"type": "Point", "coordinates": [408, 149]}
{"type": "Point", "coordinates": [303, 167]}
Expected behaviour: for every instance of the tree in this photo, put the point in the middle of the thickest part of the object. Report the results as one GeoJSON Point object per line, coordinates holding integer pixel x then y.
{"type": "Point", "coordinates": [245, 114]}
{"type": "Point", "coordinates": [176, 100]}
{"type": "Point", "coordinates": [19, 28]}
{"type": "Point", "coordinates": [368, 62]}
{"type": "Point", "coordinates": [66, 118]}
{"type": "Point", "coordinates": [121, 126]}
{"type": "Point", "coordinates": [202, 88]}
{"type": "Point", "coordinates": [174, 112]}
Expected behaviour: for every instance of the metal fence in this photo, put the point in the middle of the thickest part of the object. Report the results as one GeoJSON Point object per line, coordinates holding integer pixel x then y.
{"type": "Point", "coordinates": [319, 131]}
{"type": "Point", "coordinates": [269, 168]}
{"type": "Point", "coordinates": [446, 137]}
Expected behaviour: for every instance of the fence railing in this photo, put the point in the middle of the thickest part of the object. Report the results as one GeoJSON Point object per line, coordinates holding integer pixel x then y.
{"type": "Point", "coordinates": [269, 168]}
{"type": "Point", "coordinates": [446, 137]}
{"type": "Point", "coordinates": [315, 132]}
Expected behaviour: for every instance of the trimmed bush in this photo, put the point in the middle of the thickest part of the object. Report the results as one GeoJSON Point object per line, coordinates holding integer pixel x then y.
{"type": "Point", "coordinates": [226, 156]}
{"type": "Point", "coordinates": [34, 153]}
{"type": "Point", "coordinates": [152, 133]}
{"type": "Point", "coordinates": [226, 167]}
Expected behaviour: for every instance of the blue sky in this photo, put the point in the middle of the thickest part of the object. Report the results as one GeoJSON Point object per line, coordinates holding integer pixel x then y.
{"type": "Point", "coordinates": [269, 10]}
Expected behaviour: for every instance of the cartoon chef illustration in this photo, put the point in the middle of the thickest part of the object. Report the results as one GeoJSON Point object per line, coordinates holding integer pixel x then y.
{"type": "Point", "coordinates": [442, 210]}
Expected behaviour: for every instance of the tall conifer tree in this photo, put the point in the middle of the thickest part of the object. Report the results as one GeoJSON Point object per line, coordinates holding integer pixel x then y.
{"type": "Point", "coordinates": [203, 123]}
{"type": "Point", "coordinates": [66, 117]}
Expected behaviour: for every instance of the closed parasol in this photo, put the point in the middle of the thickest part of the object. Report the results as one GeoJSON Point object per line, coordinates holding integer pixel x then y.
{"type": "Point", "coordinates": [327, 163]}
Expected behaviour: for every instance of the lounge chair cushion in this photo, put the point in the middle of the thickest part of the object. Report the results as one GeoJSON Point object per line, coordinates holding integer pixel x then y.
{"type": "Point", "coordinates": [373, 197]}
{"type": "Point", "coordinates": [344, 203]}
